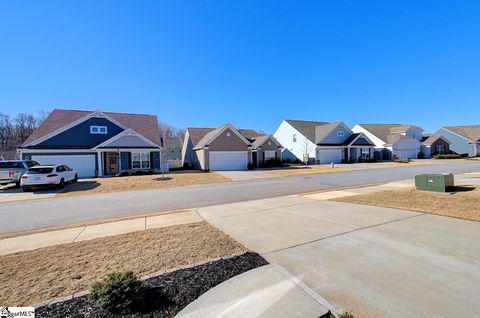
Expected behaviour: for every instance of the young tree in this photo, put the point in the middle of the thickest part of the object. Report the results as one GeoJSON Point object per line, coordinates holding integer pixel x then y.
{"type": "Point", "coordinates": [306, 149]}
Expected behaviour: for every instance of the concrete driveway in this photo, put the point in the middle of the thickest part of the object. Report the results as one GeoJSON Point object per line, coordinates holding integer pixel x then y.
{"type": "Point", "coordinates": [9, 193]}
{"type": "Point", "coordinates": [375, 261]}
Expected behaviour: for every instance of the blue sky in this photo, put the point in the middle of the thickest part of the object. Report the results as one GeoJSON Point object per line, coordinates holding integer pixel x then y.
{"type": "Point", "coordinates": [251, 63]}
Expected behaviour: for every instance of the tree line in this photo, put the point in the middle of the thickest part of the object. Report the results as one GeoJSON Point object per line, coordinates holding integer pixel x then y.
{"type": "Point", "coordinates": [14, 130]}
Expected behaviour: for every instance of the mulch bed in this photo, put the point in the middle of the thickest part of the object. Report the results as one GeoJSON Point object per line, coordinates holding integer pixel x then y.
{"type": "Point", "coordinates": [167, 294]}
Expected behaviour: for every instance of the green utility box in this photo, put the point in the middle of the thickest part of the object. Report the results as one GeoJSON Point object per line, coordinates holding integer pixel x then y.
{"type": "Point", "coordinates": [435, 182]}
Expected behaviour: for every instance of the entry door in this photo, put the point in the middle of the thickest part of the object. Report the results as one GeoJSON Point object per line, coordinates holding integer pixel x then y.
{"type": "Point", "coordinates": [112, 162]}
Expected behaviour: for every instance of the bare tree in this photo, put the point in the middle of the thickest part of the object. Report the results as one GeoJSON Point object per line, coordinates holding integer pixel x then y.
{"type": "Point", "coordinates": [169, 131]}
{"type": "Point", "coordinates": [306, 149]}
{"type": "Point", "coordinates": [13, 132]}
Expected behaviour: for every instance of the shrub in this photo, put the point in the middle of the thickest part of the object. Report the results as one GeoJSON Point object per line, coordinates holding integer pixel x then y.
{"type": "Point", "coordinates": [118, 292]}
{"type": "Point", "coordinates": [347, 314]}
{"type": "Point", "coordinates": [250, 166]}
{"type": "Point", "coordinates": [447, 156]}
{"type": "Point", "coordinates": [421, 155]}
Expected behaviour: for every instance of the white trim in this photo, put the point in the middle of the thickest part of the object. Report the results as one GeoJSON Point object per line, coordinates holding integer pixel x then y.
{"type": "Point", "coordinates": [361, 134]}
{"type": "Point", "coordinates": [27, 150]}
{"type": "Point", "coordinates": [126, 132]}
{"type": "Point", "coordinates": [98, 132]}
{"type": "Point", "coordinates": [469, 141]}
{"type": "Point", "coordinates": [218, 133]}
{"type": "Point", "coordinates": [95, 114]}
{"type": "Point", "coordinates": [141, 152]}
{"type": "Point", "coordinates": [230, 151]}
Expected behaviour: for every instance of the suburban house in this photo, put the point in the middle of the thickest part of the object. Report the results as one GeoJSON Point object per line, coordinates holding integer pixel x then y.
{"type": "Point", "coordinates": [322, 142]}
{"type": "Point", "coordinates": [436, 145]}
{"type": "Point", "coordinates": [96, 143]}
{"type": "Point", "coordinates": [464, 140]}
{"type": "Point", "coordinates": [393, 141]}
{"type": "Point", "coordinates": [227, 148]}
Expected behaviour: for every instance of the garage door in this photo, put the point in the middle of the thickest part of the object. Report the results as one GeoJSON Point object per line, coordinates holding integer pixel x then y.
{"type": "Point", "coordinates": [228, 160]}
{"type": "Point", "coordinates": [83, 164]}
{"type": "Point", "coordinates": [327, 156]}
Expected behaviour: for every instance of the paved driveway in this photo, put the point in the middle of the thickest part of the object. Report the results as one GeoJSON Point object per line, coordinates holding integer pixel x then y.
{"type": "Point", "coordinates": [9, 193]}
{"type": "Point", "coordinates": [375, 261]}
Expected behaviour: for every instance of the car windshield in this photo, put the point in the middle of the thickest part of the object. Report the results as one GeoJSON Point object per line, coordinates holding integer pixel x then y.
{"type": "Point", "coordinates": [11, 165]}
{"type": "Point", "coordinates": [40, 170]}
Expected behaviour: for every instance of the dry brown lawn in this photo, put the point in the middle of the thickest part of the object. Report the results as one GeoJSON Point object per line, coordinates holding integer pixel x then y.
{"type": "Point", "coordinates": [463, 204]}
{"type": "Point", "coordinates": [129, 183]}
{"type": "Point", "coordinates": [303, 170]}
{"type": "Point", "coordinates": [34, 276]}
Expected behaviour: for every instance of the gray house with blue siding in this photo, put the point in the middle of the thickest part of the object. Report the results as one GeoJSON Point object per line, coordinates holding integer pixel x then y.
{"type": "Point", "coordinates": [96, 143]}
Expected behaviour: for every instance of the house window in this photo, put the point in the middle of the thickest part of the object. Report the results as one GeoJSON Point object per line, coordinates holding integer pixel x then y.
{"type": "Point", "coordinates": [269, 155]}
{"type": "Point", "coordinates": [440, 149]}
{"type": "Point", "coordinates": [340, 133]}
{"type": "Point", "coordinates": [98, 130]}
{"type": "Point", "coordinates": [294, 137]}
{"type": "Point", "coordinates": [140, 160]}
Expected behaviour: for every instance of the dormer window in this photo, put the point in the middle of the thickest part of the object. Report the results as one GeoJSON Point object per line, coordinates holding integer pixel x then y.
{"type": "Point", "coordinates": [98, 130]}
{"type": "Point", "coordinates": [340, 133]}
{"type": "Point", "coordinates": [294, 138]}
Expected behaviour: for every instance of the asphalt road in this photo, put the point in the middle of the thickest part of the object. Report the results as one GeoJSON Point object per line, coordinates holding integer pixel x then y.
{"type": "Point", "coordinates": [27, 215]}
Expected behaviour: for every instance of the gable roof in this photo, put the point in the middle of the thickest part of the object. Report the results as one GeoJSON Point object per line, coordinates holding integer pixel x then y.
{"type": "Point", "coordinates": [201, 136]}
{"type": "Point", "coordinates": [381, 131]}
{"type": "Point", "coordinates": [470, 132]}
{"type": "Point", "coordinates": [306, 128]}
{"type": "Point", "coordinates": [430, 140]}
{"type": "Point", "coordinates": [145, 125]}
{"type": "Point", "coordinates": [403, 128]}
{"type": "Point", "coordinates": [391, 139]}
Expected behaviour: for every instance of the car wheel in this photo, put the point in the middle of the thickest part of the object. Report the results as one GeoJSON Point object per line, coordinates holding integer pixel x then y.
{"type": "Point", "coordinates": [26, 189]}
{"type": "Point", "coordinates": [61, 185]}
{"type": "Point", "coordinates": [75, 179]}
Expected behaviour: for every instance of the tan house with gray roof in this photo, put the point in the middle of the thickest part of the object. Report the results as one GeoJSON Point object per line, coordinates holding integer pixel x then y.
{"type": "Point", "coordinates": [464, 140]}
{"type": "Point", "coordinates": [227, 148]}
{"type": "Point", "coordinates": [393, 141]}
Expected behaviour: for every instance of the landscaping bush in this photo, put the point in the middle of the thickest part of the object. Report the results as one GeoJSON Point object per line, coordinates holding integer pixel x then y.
{"type": "Point", "coordinates": [118, 292]}
{"type": "Point", "coordinates": [421, 155]}
{"type": "Point", "coordinates": [347, 314]}
{"type": "Point", "coordinates": [447, 156]}
{"type": "Point", "coordinates": [271, 163]}
{"type": "Point", "coordinates": [250, 167]}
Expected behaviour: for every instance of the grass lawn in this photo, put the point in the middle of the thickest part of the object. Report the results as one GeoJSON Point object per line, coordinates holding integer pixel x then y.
{"type": "Point", "coordinates": [464, 204]}
{"type": "Point", "coordinates": [155, 181]}
{"type": "Point", "coordinates": [34, 276]}
{"type": "Point", "coordinates": [304, 170]}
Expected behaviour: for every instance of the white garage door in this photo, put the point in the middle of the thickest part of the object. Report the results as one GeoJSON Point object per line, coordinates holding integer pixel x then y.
{"type": "Point", "coordinates": [327, 156]}
{"type": "Point", "coordinates": [228, 160]}
{"type": "Point", "coordinates": [83, 164]}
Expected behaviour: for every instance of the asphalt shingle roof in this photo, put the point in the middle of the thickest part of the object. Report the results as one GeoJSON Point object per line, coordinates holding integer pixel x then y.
{"type": "Point", "coordinates": [430, 140]}
{"type": "Point", "coordinates": [471, 132]}
{"type": "Point", "coordinates": [145, 125]}
{"type": "Point", "coordinates": [306, 128]}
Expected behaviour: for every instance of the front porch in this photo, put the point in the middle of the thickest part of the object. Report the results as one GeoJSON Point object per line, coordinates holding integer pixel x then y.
{"type": "Point", "coordinates": [353, 154]}
{"type": "Point", "coordinates": [115, 161]}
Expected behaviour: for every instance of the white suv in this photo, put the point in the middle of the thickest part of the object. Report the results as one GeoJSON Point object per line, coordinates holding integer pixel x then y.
{"type": "Point", "coordinates": [51, 175]}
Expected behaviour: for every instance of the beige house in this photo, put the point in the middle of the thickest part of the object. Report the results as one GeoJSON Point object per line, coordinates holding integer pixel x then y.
{"type": "Point", "coordinates": [227, 148]}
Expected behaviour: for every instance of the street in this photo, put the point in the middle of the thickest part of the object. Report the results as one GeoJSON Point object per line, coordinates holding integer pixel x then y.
{"type": "Point", "coordinates": [33, 214]}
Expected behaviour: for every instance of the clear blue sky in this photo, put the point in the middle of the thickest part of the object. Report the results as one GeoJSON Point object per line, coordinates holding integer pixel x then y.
{"type": "Point", "coordinates": [251, 63]}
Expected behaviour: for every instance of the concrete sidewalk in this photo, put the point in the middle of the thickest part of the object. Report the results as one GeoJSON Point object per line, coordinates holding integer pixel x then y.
{"type": "Point", "coordinates": [90, 232]}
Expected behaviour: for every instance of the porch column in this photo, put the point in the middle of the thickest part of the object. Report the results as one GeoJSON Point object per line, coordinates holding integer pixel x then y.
{"type": "Point", "coordinates": [348, 154]}
{"type": "Point", "coordinates": [100, 164]}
